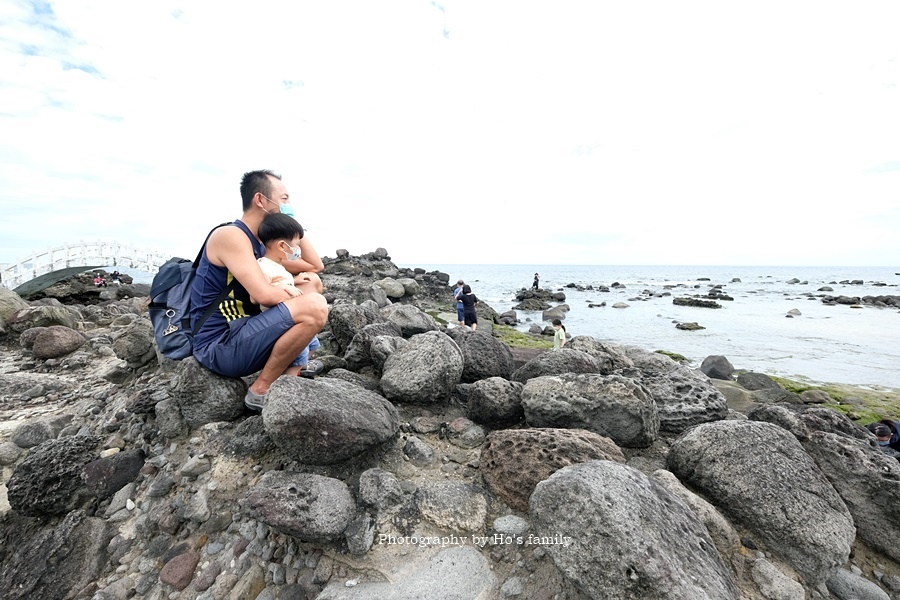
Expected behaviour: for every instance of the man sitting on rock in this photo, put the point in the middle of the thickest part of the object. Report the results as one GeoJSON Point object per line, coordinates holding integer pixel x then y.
{"type": "Point", "coordinates": [238, 339]}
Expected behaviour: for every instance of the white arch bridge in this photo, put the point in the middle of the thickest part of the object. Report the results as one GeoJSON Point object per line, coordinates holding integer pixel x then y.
{"type": "Point", "coordinates": [43, 269]}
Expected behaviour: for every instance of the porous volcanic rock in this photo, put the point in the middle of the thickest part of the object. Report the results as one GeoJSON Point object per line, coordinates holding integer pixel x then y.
{"type": "Point", "coordinates": [611, 405]}
{"type": "Point", "coordinates": [783, 497]}
{"type": "Point", "coordinates": [495, 401]}
{"type": "Point", "coordinates": [310, 507]}
{"type": "Point", "coordinates": [325, 420]}
{"type": "Point", "coordinates": [425, 370]}
{"type": "Point", "coordinates": [672, 556]}
{"type": "Point", "coordinates": [347, 319]}
{"type": "Point", "coordinates": [204, 397]}
{"type": "Point", "coordinates": [363, 349]}
{"type": "Point", "coordinates": [513, 461]}
{"type": "Point", "coordinates": [869, 483]}
{"type": "Point", "coordinates": [48, 480]}
{"type": "Point", "coordinates": [565, 360]}
{"type": "Point", "coordinates": [409, 319]}
{"type": "Point", "coordinates": [484, 355]}
{"type": "Point", "coordinates": [683, 396]}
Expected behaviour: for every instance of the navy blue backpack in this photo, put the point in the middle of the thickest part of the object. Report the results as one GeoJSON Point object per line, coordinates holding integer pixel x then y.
{"type": "Point", "coordinates": [170, 305]}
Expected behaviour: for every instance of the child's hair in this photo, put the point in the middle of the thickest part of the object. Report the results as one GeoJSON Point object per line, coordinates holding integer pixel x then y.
{"type": "Point", "coordinates": [467, 289]}
{"type": "Point", "coordinates": [558, 322]}
{"type": "Point", "coordinates": [278, 226]}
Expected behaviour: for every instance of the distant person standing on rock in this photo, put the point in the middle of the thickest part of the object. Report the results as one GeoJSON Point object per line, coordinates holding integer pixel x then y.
{"type": "Point", "coordinates": [536, 284]}
{"type": "Point", "coordinates": [559, 338]}
{"type": "Point", "coordinates": [460, 317]}
{"type": "Point", "coordinates": [469, 300]}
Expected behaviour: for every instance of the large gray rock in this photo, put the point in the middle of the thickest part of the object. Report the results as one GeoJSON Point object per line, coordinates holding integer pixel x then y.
{"type": "Point", "coordinates": [10, 303]}
{"type": "Point", "coordinates": [40, 316]}
{"type": "Point", "coordinates": [684, 397]}
{"type": "Point", "coordinates": [869, 483]}
{"type": "Point", "coordinates": [495, 401]}
{"type": "Point", "coordinates": [325, 421]}
{"type": "Point", "coordinates": [514, 461]}
{"type": "Point", "coordinates": [611, 356]}
{"type": "Point", "coordinates": [346, 320]}
{"type": "Point", "coordinates": [55, 341]}
{"type": "Point", "coordinates": [483, 355]}
{"type": "Point", "coordinates": [392, 288]}
{"type": "Point", "coordinates": [410, 286]}
{"type": "Point", "coordinates": [802, 420]}
{"type": "Point", "coordinates": [557, 312]}
{"type": "Point", "coordinates": [455, 573]}
{"type": "Point", "coordinates": [360, 353]}
{"type": "Point", "coordinates": [33, 433]}
{"type": "Point", "coordinates": [309, 507]}
{"type": "Point", "coordinates": [760, 476]}
{"type": "Point", "coordinates": [611, 405]}
{"type": "Point", "coordinates": [205, 397]}
{"type": "Point", "coordinates": [409, 319]}
{"type": "Point", "coordinates": [717, 366]}
{"type": "Point", "coordinates": [773, 584]}
{"type": "Point", "coordinates": [629, 538]}
{"type": "Point", "coordinates": [647, 361]}
{"type": "Point", "coordinates": [722, 532]}
{"type": "Point", "coordinates": [846, 585]}
{"type": "Point", "coordinates": [561, 361]}
{"type": "Point", "coordinates": [757, 381]}
{"type": "Point", "coordinates": [425, 370]}
{"type": "Point", "coordinates": [135, 344]}
{"type": "Point", "coordinates": [76, 548]}
{"type": "Point", "coordinates": [48, 481]}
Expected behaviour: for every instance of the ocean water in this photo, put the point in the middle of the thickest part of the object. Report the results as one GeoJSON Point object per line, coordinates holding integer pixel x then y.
{"type": "Point", "coordinates": [824, 344]}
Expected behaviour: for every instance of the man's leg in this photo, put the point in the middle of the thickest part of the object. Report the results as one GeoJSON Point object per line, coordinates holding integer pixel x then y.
{"type": "Point", "coordinates": [309, 312]}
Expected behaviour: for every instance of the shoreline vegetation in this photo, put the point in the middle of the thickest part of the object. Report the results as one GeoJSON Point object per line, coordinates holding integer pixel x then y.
{"type": "Point", "coordinates": [862, 404]}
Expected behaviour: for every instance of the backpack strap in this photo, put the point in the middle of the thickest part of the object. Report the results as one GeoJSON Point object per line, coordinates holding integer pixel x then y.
{"type": "Point", "coordinates": [222, 295]}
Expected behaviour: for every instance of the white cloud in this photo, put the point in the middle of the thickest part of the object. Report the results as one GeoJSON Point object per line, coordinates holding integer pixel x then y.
{"type": "Point", "coordinates": [589, 132]}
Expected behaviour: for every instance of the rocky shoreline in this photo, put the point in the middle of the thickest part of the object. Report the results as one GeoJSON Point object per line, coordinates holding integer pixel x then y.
{"type": "Point", "coordinates": [426, 463]}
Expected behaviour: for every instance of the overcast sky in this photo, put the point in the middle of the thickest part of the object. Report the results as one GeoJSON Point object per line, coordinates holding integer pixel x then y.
{"type": "Point", "coordinates": [759, 133]}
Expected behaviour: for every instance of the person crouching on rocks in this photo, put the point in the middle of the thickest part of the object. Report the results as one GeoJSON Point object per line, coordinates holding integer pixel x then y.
{"type": "Point", "coordinates": [469, 300]}
{"type": "Point", "coordinates": [559, 338]}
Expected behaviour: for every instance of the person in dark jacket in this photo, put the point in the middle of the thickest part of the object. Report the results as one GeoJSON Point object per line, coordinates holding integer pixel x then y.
{"type": "Point", "coordinates": [469, 300]}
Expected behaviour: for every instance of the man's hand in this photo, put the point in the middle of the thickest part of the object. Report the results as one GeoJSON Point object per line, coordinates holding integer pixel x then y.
{"type": "Point", "coordinates": [292, 291]}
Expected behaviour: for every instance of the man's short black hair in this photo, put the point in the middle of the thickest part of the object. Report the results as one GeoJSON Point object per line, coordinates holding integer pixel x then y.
{"type": "Point", "coordinates": [278, 226]}
{"type": "Point", "coordinates": [254, 182]}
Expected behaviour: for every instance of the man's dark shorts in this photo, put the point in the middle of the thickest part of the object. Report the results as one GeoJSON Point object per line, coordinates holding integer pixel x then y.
{"type": "Point", "coordinates": [246, 346]}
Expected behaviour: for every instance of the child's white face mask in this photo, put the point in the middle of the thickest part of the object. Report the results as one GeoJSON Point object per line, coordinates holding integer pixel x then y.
{"type": "Point", "coordinates": [294, 253]}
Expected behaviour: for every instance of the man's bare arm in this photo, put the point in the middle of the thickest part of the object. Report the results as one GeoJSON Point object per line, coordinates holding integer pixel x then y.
{"type": "Point", "coordinates": [309, 261]}
{"type": "Point", "coordinates": [229, 247]}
